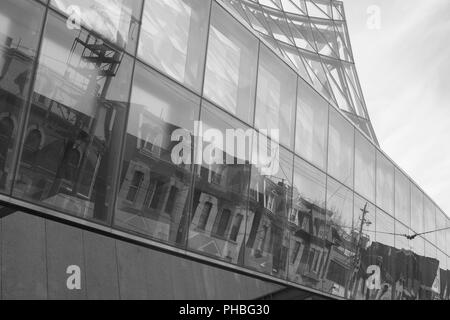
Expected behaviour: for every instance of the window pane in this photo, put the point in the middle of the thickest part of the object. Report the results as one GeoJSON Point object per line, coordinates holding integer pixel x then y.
{"type": "Point", "coordinates": [18, 45]}
{"type": "Point", "coordinates": [384, 255]}
{"type": "Point", "coordinates": [402, 198]}
{"type": "Point", "coordinates": [364, 167]}
{"type": "Point", "coordinates": [441, 223]}
{"type": "Point", "coordinates": [418, 247]}
{"type": "Point", "coordinates": [159, 109]}
{"type": "Point", "coordinates": [275, 103]}
{"type": "Point", "coordinates": [429, 211]}
{"type": "Point", "coordinates": [417, 216]}
{"type": "Point", "coordinates": [75, 126]}
{"type": "Point", "coordinates": [429, 272]}
{"type": "Point", "coordinates": [341, 149]}
{"type": "Point", "coordinates": [404, 263]}
{"type": "Point", "coordinates": [267, 242]}
{"type": "Point", "coordinates": [221, 181]}
{"type": "Point", "coordinates": [364, 250]}
{"type": "Point", "coordinates": [340, 230]}
{"type": "Point", "coordinates": [385, 184]}
{"type": "Point", "coordinates": [114, 21]}
{"type": "Point", "coordinates": [173, 38]}
{"type": "Point", "coordinates": [442, 286]}
{"type": "Point", "coordinates": [230, 79]}
{"type": "Point", "coordinates": [312, 125]}
{"type": "Point", "coordinates": [307, 226]}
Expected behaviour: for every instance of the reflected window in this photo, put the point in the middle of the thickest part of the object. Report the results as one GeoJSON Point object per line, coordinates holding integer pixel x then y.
{"type": "Point", "coordinates": [402, 198]}
{"type": "Point", "coordinates": [364, 167]}
{"type": "Point", "coordinates": [308, 226]}
{"type": "Point", "coordinates": [221, 180]}
{"type": "Point", "coordinates": [79, 104]}
{"type": "Point", "coordinates": [268, 240]}
{"type": "Point", "coordinates": [116, 21]}
{"type": "Point", "coordinates": [276, 97]}
{"type": "Point", "coordinates": [385, 184]}
{"type": "Point", "coordinates": [18, 45]}
{"type": "Point", "coordinates": [230, 78]}
{"type": "Point", "coordinates": [162, 111]}
{"type": "Point", "coordinates": [312, 125]}
{"type": "Point", "coordinates": [341, 148]}
{"type": "Point", "coordinates": [173, 38]}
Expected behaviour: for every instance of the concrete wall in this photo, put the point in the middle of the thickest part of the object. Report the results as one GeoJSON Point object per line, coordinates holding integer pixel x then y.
{"type": "Point", "coordinates": [35, 254]}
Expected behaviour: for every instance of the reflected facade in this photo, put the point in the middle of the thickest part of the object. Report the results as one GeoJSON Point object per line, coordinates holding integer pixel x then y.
{"type": "Point", "coordinates": [159, 119]}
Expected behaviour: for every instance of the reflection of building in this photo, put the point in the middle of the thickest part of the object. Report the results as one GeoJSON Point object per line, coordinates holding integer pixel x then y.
{"type": "Point", "coordinates": [88, 177]}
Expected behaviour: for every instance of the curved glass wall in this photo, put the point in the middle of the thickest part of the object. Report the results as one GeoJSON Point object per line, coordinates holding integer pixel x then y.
{"type": "Point", "coordinates": [162, 129]}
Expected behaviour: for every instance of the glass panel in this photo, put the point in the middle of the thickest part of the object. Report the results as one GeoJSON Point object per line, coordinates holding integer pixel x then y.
{"type": "Point", "coordinates": [364, 167]}
{"type": "Point", "coordinates": [18, 45]}
{"type": "Point", "coordinates": [341, 146]}
{"type": "Point", "coordinates": [430, 274]}
{"type": "Point", "coordinates": [230, 79]}
{"type": "Point", "coordinates": [312, 126]}
{"type": "Point", "coordinates": [363, 253]}
{"type": "Point", "coordinates": [221, 187]}
{"type": "Point", "coordinates": [384, 254]}
{"type": "Point", "coordinates": [173, 38]}
{"type": "Point", "coordinates": [441, 225]}
{"type": "Point", "coordinates": [429, 212]}
{"type": "Point", "coordinates": [116, 21]}
{"type": "Point", "coordinates": [76, 124]}
{"type": "Point", "coordinates": [441, 285]}
{"type": "Point", "coordinates": [276, 97]}
{"type": "Point", "coordinates": [339, 233]}
{"type": "Point", "coordinates": [402, 198]}
{"type": "Point", "coordinates": [267, 243]}
{"type": "Point", "coordinates": [154, 187]}
{"type": "Point", "coordinates": [385, 184]}
{"type": "Point", "coordinates": [307, 226]}
{"type": "Point", "coordinates": [417, 216]}
{"type": "Point", "coordinates": [418, 247]}
{"type": "Point", "coordinates": [404, 261]}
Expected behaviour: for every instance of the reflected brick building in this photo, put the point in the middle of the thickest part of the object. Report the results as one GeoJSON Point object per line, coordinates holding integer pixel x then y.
{"type": "Point", "coordinates": [88, 116]}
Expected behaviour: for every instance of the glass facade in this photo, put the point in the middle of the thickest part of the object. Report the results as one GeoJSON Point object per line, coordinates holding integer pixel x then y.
{"type": "Point", "coordinates": [105, 121]}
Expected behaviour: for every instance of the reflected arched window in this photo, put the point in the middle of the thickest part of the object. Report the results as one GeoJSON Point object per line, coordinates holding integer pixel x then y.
{"type": "Point", "coordinates": [32, 145]}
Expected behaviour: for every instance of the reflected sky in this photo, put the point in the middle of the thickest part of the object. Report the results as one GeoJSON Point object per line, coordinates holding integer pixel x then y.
{"type": "Point", "coordinates": [403, 68]}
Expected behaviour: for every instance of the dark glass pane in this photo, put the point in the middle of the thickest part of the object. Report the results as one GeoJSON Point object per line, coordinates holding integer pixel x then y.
{"type": "Point", "coordinates": [339, 235]}
{"type": "Point", "coordinates": [78, 106]}
{"type": "Point", "coordinates": [383, 251]}
{"type": "Point", "coordinates": [430, 284]}
{"type": "Point", "coordinates": [364, 259]}
{"type": "Point", "coordinates": [221, 178]}
{"type": "Point", "coordinates": [114, 21]}
{"type": "Point", "coordinates": [404, 262]}
{"type": "Point", "coordinates": [270, 203]}
{"type": "Point", "coordinates": [159, 144]}
{"type": "Point", "coordinates": [307, 226]}
{"type": "Point", "coordinates": [18, 45]}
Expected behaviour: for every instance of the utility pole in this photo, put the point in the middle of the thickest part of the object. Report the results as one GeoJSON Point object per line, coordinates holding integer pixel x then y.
{"type": "Point", "coordinates": [357, 259]}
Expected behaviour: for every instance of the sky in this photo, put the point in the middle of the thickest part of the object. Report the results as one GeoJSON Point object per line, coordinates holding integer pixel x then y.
{"type": "Point", "coordinates": [404, 70]}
